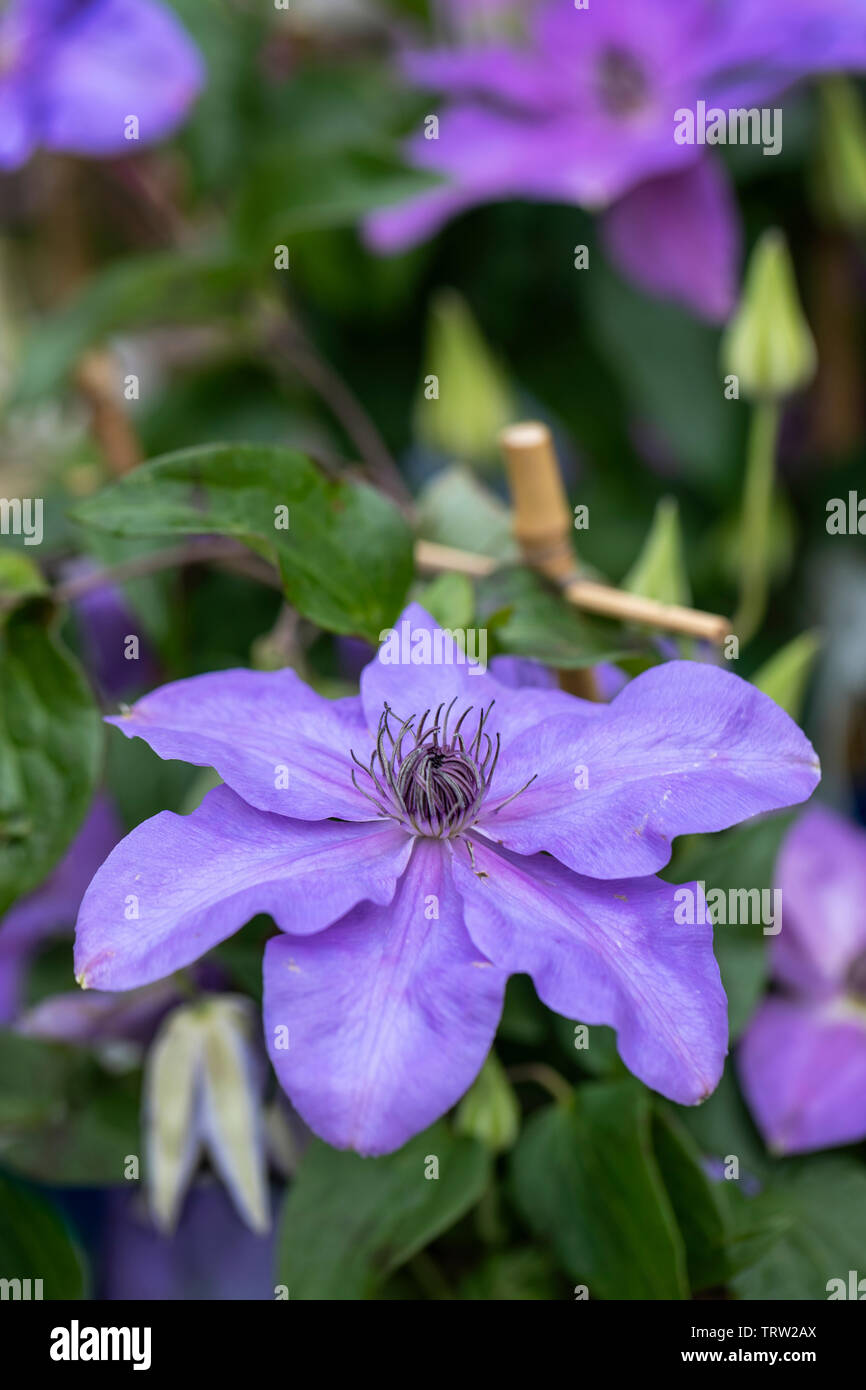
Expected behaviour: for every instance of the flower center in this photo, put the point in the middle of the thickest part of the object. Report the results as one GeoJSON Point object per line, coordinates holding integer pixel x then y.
{"type": "Point", "coordinates": [622, 84]}
{"type": "Point", "coordinates": [430, 779]}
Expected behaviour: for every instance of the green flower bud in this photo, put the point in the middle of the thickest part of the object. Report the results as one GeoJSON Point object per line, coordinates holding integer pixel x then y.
{"type": "Point", "coordinates": [489, 1111]}
{"type": "Point", "coordinates": [840, 173]}
{"type": "Point", "coordinates": [768, 344]}
{"type": "Point", "coordinates": [464, 401]}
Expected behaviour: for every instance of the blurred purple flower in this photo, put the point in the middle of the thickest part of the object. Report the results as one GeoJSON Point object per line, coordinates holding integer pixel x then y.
{"type": "Point", "coordinates": [51, 908]}
{"type": "Point", "coordinates": [50, 911]}
{"type": "Point", "coordinates": [72, 73]}
{"type": "Point", "coordinates": [106, 623]}
{"type": "Point", "coordinates": [212, 1255]}
{"type": "Point", "coordinates": [802, 1061]}
{"type": "Point", "coordinates": [582, 111]}
{"type": "Point", "coordinates": [443, 832]}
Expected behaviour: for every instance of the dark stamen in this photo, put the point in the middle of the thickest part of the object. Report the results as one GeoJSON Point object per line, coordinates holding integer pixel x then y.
{"type": "Point", "coordinates": [437, 785]}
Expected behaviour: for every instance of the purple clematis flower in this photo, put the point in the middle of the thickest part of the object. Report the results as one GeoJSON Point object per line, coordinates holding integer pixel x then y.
{"type": "Point", "coordinates": [802, 1061]}
{"type": "Point", "coordinates": [72, 73]}
{"type": "Point", "coordinates": [212, 1255]}
{"type": "Point", "coordinates": [418, 843]}
{"type": "Point", "coordinates": [582, 111]}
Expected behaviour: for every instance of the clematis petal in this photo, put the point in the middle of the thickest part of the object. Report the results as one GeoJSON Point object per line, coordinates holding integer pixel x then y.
{"type": "Point", "coordinates": [178, 885]}
{"type": "Point", "coordinates": [822, 877]}
{"type": "Point", "coordinates": [272, 739]}
{"type": "Point", "coordinates": [803, 1072]}
{"type": "Point", "coordinates": [684, 748]}
{"type": "Point", "coordinates": [392, 230]}
{"type": "Point", "coordinates": [678, 236]}
{"type": "Point", "coordinates": [610, 953]}
{"type": "Point", "coordinates": [92, 1016]}
{"type": "Point", "coordinates": [380, 1024]}
{"type": "Point", "coordinates": [423, 667]}
{"type": "Point", "coordinates": [496, 71]}
{"type": "Point", "coordinates": [106, 61]}
{"type": "Point", "coordinates": [757, 48]}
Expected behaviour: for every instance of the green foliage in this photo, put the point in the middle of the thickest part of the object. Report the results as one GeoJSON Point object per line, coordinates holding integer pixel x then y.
{"type": "Point", "coordinates": [350, 1222]}
{"type": "Point", "coordinates": [529, 619]}
{"type": "Point", "coordinates": [64, 1120]}
{"type": "Point", "coordinates": [50, 748]}
{"type": "Point", "coordinates": [345, 554]}
{"type": "Point", "coordinates": [35, 1244]}
{"type": "Point", "coordinates": [586, 1179]}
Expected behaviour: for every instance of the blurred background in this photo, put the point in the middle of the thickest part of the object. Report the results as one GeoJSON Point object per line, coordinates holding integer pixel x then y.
{"type": "Point", "coordinates": [269, 258]}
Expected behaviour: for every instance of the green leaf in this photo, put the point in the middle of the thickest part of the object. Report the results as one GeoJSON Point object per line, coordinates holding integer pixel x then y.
{"type": "Point", "coordinates": [449, 600]}
{"type": "Point", "coordinates": [35, 1243]}
{"type": "Point", "coordinates": [454, 508]}
{"type": "Point", "coordinates": [164, 287]}
{"type": "Point", "coordinates": [698, 1203]}
{"type": "Point", "coordinates": [660, 570]}
{"type": "Point", "coordinates": [32, 1079]}
{"type": "Point", "coordinates": [666, 362]}
{"type": "Point", "coordinates": [586, 1180]}
{"type": "Point", "coordinates": [530, 620]}
{"type": "Point", "coordinates": [288, 191]}
{"type": "Point", "coordinates": [20, 579]}
{"type": "Point", "coordinates": [345, 558]}
{"type": "Point", "coordinates": [785, 676]}
{"type": "Point", "coordinates": [63, 1119]}
{"type": "Point", "coordinates": [722, 1127]}
{"type": "Point", "coordinates": [50, 747]}
{"type": "Point", "coordinates": [513, 1276]}
{"type": "Point", "coordinates": [349, 1222]}
{"type": "Point", "coordinates": [820, 1205]}
{"type": "Point", "coordinates": [599, 1056]}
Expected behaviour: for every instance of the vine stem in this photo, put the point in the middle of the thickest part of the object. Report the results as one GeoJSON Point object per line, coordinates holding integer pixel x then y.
{"type": "Point", "coordinates": [221, 549]}
{"type": "Point", "coordinates": [543, 1075]}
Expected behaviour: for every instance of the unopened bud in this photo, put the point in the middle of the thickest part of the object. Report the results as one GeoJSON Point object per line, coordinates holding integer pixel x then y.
{"type": "Point", "coordinates": [768, 344]}
{"type": "Point", "coordinates": [489, 1111]}
{"type": "Point", "coordinates": [464, 401]}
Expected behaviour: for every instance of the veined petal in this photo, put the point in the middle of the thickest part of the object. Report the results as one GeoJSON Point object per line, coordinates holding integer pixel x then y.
{"type": "Point", "coordinates": [380, 1024]}
{"type": "Point", "coordinates": [610, 953]}
{"type": "Point", "coordinates": [803, 1071]}
{"type": "Point", "coordinates": [178, 885]}
{"type": "Point", "coordinates": [684, 748]}
{"type": "Point", "coordinates": [272, 739]}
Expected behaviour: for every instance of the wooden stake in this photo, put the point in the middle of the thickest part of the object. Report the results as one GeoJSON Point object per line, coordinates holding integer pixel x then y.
{"type": "Point", "coordinates": [543, 527]}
